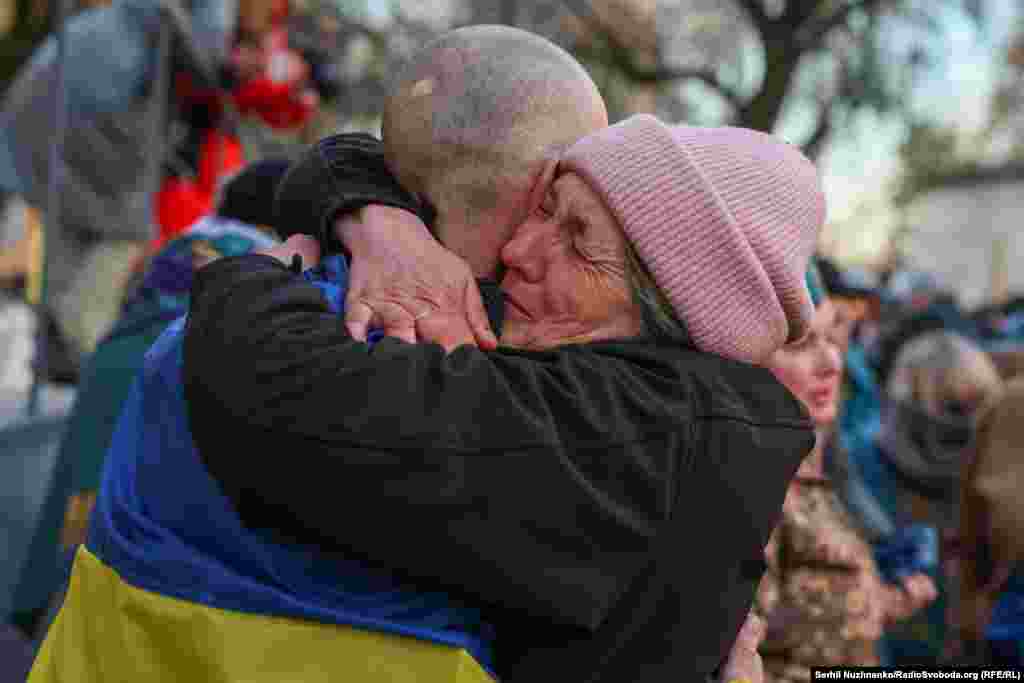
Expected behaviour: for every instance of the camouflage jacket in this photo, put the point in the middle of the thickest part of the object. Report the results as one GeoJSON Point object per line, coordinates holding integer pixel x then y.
{"type": "Point", "coordinates": [821, 597]}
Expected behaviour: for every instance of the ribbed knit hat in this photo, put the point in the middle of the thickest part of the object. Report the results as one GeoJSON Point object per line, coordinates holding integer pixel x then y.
{"type": "Point", "coordinates": [726, 219]}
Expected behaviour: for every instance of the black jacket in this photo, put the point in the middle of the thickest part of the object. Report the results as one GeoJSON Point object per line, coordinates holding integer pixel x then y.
{"type": "Point", "coordinates": [610, 502]}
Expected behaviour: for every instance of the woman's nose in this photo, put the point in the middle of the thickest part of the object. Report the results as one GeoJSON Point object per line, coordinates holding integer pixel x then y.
{"type": "Point", "coordinates": [523, 252]}
{"type": "Point", "coordinates": [830, 359]}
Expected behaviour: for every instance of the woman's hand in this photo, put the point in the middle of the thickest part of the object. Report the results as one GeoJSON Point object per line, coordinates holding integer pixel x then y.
{"type": "Point", "coordinates": [916, 592]}
{"type": "Point", "coordinates": [744, 662]}
{"type": "Point", "coordinates": [407, 284]}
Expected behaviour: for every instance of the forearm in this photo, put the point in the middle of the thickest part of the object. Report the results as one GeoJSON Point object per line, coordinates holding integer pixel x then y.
{"type": "Point", "coordinates": [263, 342]}
{"type": "Point", "coordinates": [359, 177]}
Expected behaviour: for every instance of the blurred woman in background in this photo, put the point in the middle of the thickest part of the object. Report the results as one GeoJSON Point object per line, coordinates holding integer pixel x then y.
{"type": "Point", "coordinates": [938, 382]}
{"type": "Point", "coordinates": [823, 600]}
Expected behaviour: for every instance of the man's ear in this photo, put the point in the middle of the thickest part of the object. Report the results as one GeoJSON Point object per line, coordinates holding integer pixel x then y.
{"type": "Point", "coordinates": [541, 182]}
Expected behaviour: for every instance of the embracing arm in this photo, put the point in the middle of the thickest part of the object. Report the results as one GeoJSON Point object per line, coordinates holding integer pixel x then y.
{"type": "Point", "coordinates": [398, 270]}
{"type": "Point", "coordinates": [511, 476]}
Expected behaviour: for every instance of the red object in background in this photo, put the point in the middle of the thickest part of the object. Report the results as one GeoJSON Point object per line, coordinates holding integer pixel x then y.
{"type": "Point", "coordinates": [221, 155]}
{"type": "Point", "coordinates": [180, 202]}
{"type": "Point", "coordinates": [278, 104]}
{"type": "Point", "coordinates": [280, 95]}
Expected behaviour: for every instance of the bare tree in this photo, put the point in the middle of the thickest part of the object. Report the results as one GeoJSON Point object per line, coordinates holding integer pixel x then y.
{"type": "Point", "coordinates": [830, 55]}
{"type": "Point", "coordinates": [755, 63]}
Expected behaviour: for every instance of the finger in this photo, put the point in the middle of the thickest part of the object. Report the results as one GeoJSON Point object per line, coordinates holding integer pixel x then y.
{"type": "Point", "coordinates": [397, 322]}
{"type": "Point", "coordinates": [478, 320]}
{"type": "Point", "coordinates": [305, 246]}
{"type": "Point", "coordinates": [744, 662]}
{"type": "Point", "coordinates": [751, 633]}
{"type": "Point", "coordinates": [917, 586]}
{"type": "Point", "coordinates": [357, 318]}
{"type": "Point", "coordinates": [450, 330]}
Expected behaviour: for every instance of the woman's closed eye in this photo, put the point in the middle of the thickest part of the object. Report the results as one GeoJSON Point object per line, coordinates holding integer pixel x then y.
{"type": "Point", "coordinates": [574, 230]}
{"type": "Point", "coordinates": [548, 205]}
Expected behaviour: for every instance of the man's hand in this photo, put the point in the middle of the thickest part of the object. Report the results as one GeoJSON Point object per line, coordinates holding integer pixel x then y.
{"type": "Point", "coordinates": [405, 283]}
{"type": "Point", "coordinates": [744, 662]}
{"type": "Point", "coordinates": [305, 246]}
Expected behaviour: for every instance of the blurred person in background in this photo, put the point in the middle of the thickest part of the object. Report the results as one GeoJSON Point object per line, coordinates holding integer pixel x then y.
{"type": "Point", "coordinates": [1002, 321]}
{"type": "Point", "coordinates": [857, 301]}
{"type": "Point", "coordinates": [903, 488]}
{"type": "Point", "coordinates": [15, 655]}
{"type": "Point", "coordinates": [129, 69]}
{"type": "Point", "coordinates": [242, 223]}
{"type": "Point", "coordinates": [857, 305]}
{"type": "Point", "coordinates": [991, 605]}
{"type": "Point", "coordinates": [822, 600]}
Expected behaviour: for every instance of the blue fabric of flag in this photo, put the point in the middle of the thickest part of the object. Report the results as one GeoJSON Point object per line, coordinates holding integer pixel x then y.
{"type": "Point", "coordinates": [162, 523]}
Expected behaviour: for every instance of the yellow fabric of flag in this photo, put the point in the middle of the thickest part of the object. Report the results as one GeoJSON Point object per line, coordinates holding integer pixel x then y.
{"type": "Point", "coordinates": [108, 630]}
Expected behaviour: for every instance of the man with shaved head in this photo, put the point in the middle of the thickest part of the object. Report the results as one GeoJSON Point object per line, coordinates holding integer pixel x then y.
{"type": "Point", "coordinates": [474, 126]}
{"type": "Point", "coordinates": [478, 124]}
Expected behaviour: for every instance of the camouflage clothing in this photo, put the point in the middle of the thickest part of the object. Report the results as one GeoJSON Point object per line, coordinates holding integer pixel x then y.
{"type": "Point", "coordinates": [822, 596]}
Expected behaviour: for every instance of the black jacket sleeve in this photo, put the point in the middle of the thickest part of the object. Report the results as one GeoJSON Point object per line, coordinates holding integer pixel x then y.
{"type": "Point", "coordinates": [339, 174]}
{"type": "Point", "coordinates": [534, 479]}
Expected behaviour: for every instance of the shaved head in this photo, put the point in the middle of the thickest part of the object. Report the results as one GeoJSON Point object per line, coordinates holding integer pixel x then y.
{"type": "Point", "coordinates": [481, 108]}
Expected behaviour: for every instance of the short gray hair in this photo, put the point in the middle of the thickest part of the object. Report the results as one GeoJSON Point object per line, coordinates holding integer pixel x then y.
{"type": "Point", "coordinates": [930, 365]}
{"type": "Point", "coordinates": [660, 321]}
{"type": "Point", "coordinates": [479, 104]}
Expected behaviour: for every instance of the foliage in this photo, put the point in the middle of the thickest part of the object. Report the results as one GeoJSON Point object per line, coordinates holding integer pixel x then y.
{"type": "Point", "coordinates": [31, 23]}
{"type": "Point", "coordinates": [931, 155]}
{"type": "Point", "coordinates": [756, 63]}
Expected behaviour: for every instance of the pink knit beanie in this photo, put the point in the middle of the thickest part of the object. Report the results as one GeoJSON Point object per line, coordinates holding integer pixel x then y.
{"type": "Point", "coordinates": [726, 220]}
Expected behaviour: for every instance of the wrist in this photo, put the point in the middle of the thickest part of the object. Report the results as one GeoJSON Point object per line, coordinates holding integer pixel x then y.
{"type": "Point", "coordinates": [375, 222]}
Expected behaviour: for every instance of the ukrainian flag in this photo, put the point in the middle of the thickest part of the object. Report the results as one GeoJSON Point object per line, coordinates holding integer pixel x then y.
{"type": "Point", "coordinates": [170, 586]}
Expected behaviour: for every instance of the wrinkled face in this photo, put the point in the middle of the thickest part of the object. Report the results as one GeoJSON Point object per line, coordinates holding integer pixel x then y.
{"type": "Point", "coordinates": [811, 367]}
{"type": "Point", "coordinates": [566, 276]}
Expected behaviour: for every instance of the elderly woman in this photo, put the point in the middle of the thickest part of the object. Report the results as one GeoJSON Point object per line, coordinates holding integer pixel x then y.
{"type": "Point", "coordinates": [556, 486]}
{"type": "Point", "coordinates": [938, 382]}
{"type": "Point", "coordinates": [822, 599]}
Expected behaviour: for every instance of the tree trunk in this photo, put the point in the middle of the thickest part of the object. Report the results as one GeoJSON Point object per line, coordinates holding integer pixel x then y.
{"type": "Point", "coordinates": [781, 60]}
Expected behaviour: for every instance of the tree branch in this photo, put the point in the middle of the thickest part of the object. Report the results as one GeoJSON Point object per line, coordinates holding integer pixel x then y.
{"type": "Point", "coordinates": [814, 144]}
{"type": "Point", "coordinates": [812, 35]}
{"type": "Point", "coordinates": [664, 74]}
{"type": "Point", "coordinates": [757, 14]}
{"type": "Point", "coordinates": [798, 12]}
{"type": "Point", "coordinates": [620, 57]}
